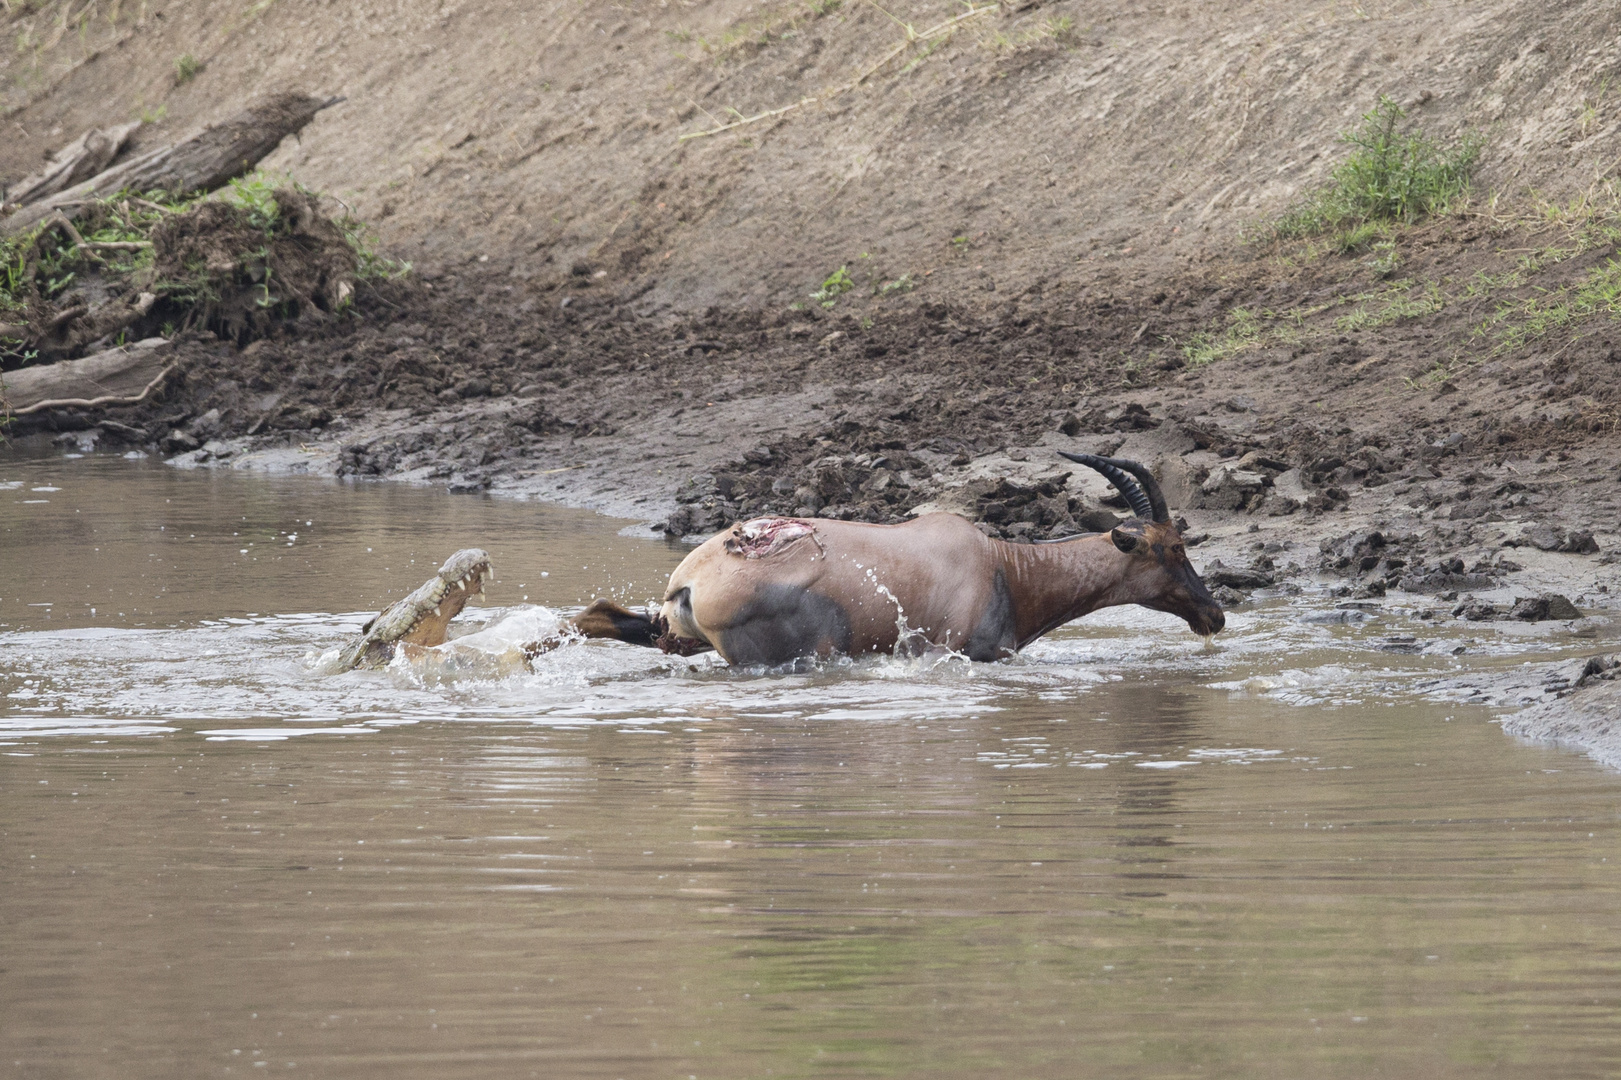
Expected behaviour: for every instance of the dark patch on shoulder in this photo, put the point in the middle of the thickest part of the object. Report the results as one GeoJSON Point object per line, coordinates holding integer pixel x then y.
{"type": "Point", "coordinates": [785, 622]}
{"type": "Point", "coordinates": [994, 635]}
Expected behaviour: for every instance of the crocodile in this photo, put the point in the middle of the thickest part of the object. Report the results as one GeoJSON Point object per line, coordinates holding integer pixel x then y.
{"type": "Point", "coordinates": [422, 618]}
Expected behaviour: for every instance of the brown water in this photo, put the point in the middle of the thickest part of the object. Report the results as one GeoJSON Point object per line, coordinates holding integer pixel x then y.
{"type": "Point", "coordinates": [1123, 856]}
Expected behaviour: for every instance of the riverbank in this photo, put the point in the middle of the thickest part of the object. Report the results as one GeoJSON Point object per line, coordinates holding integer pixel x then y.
{"type": "Point", "coordinates": [905, 268]}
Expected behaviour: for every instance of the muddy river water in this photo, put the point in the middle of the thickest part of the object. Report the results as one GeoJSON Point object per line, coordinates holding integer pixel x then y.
{"type": "Point", "coordinates": [1307, 852]}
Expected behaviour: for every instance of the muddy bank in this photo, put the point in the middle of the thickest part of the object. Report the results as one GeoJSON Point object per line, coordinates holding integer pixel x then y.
{"type": "Point", "coordinates": [1331, 442]}
{"type": "Point", "coordinates": [1490, 498]}
{"type": "Point", "coordinates": [1585, 710]}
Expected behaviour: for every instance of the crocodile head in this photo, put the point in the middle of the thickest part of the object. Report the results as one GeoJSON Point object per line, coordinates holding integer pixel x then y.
{"type": "Point", "coordinates": [422, 617]}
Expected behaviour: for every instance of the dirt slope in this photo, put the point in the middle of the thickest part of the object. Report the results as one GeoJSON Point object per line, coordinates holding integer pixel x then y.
{"type": "Point", "coordinates": [1069, 143]}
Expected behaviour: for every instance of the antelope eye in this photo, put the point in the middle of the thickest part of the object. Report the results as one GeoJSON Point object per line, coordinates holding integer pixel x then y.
{"type": "Point", "coordinates": [1177, 549]}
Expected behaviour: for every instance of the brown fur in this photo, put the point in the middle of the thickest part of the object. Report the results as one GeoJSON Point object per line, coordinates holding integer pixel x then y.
{"type": "Point", "coordinates": [846, 587]}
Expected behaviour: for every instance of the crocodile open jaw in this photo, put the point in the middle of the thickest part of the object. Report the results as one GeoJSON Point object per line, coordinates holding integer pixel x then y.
{"type": "Point", "coordinates": [422, 617]}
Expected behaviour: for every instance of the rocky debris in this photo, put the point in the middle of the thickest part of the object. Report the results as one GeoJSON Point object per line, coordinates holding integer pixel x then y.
{"type": "Point", "coordinates": [1129, 417]}
{"type": "Point", "coordinates": [1259, 575]}
{"type": "Point", "coordinates": [1477, 610]}
{"type": "Point", "coordinates": [1289, 493]}
{"type": "Point", "coordinates": [1376, 558]}
{"type": "Point", "coordinates": [1449, 576]}
{"type": "Point", "coordinates": [1340, 616]}
{"type": "Point", "coordinates": [853, 487]}
{"type": "Point", "coordinates": [1231, 487]}
{"type": "Point", "coordinates": [1041, 509]}
{"type": "Point", "coordinates": [1231, 585]}
{"type": "Point", "coordinates": [1541, 608]}
{"type": "Point", "coordinates": [1383, 559]}
{"type": "Point", "coordinates": [1552, 538]}
{"type": "Point", "coordinates": [1606, 668]}
{"type": "Point", "coordinates": [1368, 590]}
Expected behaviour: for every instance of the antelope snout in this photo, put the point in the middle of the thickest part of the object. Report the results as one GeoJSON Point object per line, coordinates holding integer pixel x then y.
{"type": "Point", "coordinates": [1207, 620]}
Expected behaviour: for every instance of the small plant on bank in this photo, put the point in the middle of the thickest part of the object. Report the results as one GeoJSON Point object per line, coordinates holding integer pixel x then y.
{"type": "Point", "coordinates": [369, 265]}
{"type": "Point", "coordinates": [1242, 332]}
{"type": "Point", "coordinates": [1385, 259]}
{"type": "Point", "coordinates": [1391, 176]}
{"type": "Point", "coordinates": [256, 194]}
{"type": "Point", "coordinates": [186, 67]}
{"type": "Point", "coordinates": [836, 285]}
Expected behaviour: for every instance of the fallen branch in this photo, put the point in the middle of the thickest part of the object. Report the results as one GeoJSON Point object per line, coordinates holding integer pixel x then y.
{"type": "Point", "coordinates": [152, 205]}
{"type": "Point", "coordinates": [61, 221]}
{"type": "Point", "coordinates": [208, 159]}
{"type": "Point", "coordinates": [115, 377]}
{"type": "Point", "coordinates": [79, 160]}
{"type": "Point", "coordinates": [67, 315]}
{"type": "Point", "coordinates": [92, 403]}
{"type": "Point", "coordinates": [115, 245]}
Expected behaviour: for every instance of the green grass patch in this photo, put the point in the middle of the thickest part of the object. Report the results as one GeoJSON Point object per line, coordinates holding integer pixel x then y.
{"type": "Point", "coordinates": [186, 67]}
{"type": "Point", "coordinates": [369, 265]}
{"type": "Point", "coordinates": [1402, 300]}
{"type": "Point", "coordinates": [39, 269]}
{"type": "Point", "coordinates": [1518, 323]}
{"type": "Point", "coordinates": [834, 286]}
{"type": "Point", "coordinates": [1244, 331]}
{"type": "Point", "coordinates": [1391, 175]}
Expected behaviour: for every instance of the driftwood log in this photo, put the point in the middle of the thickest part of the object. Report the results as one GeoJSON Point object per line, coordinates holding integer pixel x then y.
{"type": "Point", "coordinates": [76, 162]}
{"type": "Point", "coordinates": [124, 376]}
{"type": "Point", "coordinates": [206, 160]}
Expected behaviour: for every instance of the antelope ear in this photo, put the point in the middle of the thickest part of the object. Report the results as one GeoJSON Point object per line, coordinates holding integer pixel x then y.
{"type": "Point", "coordinates": [1126, 538]}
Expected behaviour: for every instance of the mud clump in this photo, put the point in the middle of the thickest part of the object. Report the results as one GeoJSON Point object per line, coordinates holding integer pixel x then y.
{"type": "Point", "coordinates": [239, 270]}
{"type": "Point", "coordinates": [1543, 608]}
{"type": "Point", "coordinates": [1553, 538]}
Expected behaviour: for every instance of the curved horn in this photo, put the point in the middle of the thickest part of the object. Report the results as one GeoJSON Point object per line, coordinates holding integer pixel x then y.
{"type": "Point", "coordinates": [1133, 479]}
{"type": "Point", "coordinates": [1156, 497]}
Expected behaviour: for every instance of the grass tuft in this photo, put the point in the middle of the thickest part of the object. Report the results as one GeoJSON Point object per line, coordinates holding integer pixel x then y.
{"type": "Point", "coordinates": [1391, 175]}
{"type": "Point", "coordinates": [836, 285]}
{"type": "Point", "coordinates": [1517, 323]}
{"type": "Point", "coordinates": [1242, 333]}
{"type": "Point", "coordinates": [1396, 304]}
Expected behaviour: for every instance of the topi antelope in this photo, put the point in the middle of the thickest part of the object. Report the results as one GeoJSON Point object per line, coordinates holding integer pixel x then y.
{"type": "Point", "coordinates": [775, 590]}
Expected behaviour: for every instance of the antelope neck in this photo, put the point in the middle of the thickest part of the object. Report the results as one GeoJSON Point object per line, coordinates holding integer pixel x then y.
{"type": "Point", "coordinates": [1054, 583]}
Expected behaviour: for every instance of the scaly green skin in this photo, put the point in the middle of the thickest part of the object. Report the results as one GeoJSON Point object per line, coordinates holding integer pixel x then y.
{"type": "Point", "coordinates": [421, 618]}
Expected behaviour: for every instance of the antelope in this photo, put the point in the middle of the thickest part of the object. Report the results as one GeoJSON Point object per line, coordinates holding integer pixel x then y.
{"type": "Point", "coordinates": [775, 590]}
